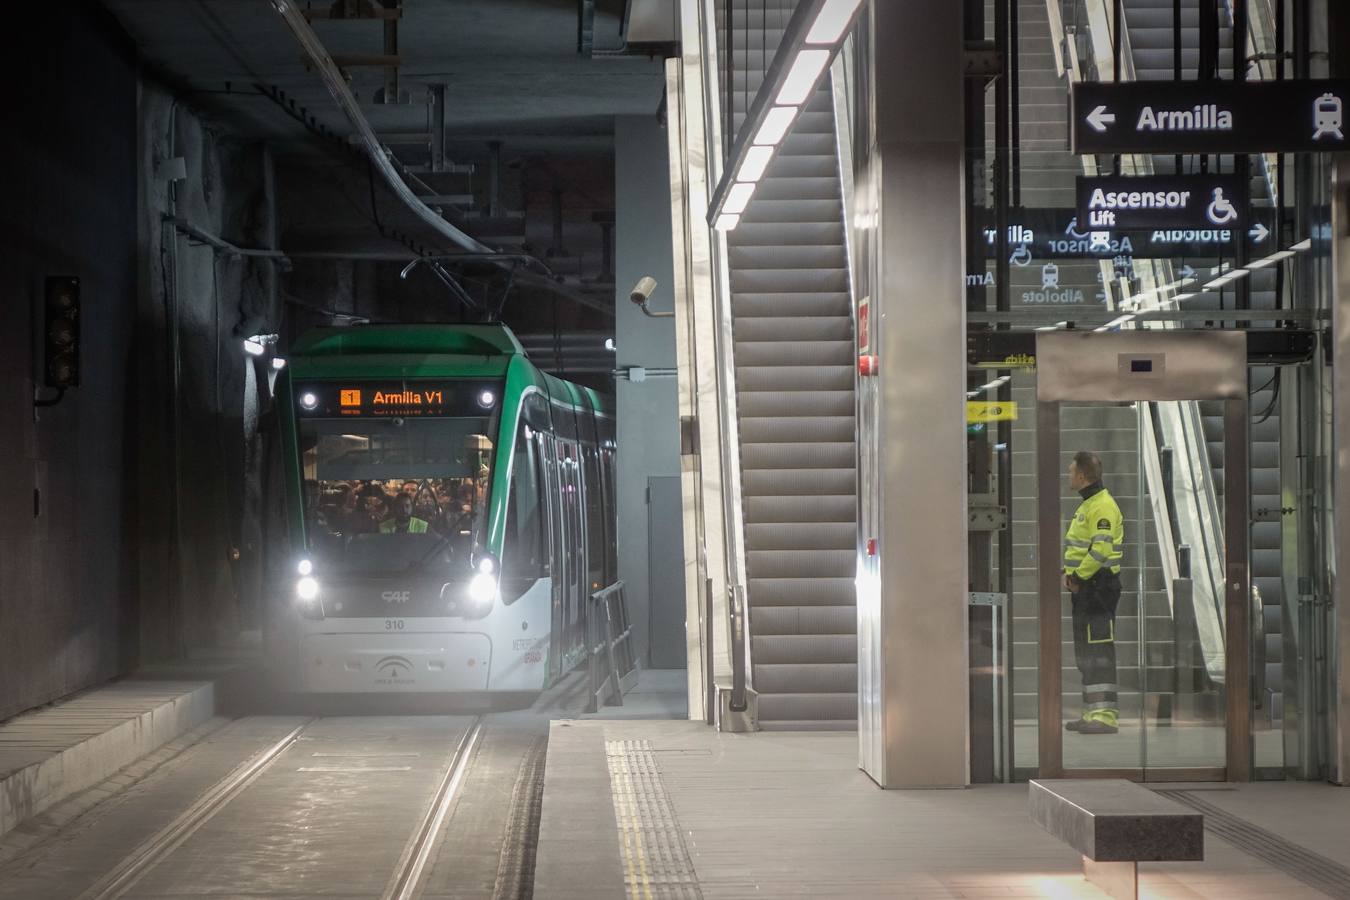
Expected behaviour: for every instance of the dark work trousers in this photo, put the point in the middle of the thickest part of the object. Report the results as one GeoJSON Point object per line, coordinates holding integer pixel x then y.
{"type": "Point", "coordinates": [1094, 639]}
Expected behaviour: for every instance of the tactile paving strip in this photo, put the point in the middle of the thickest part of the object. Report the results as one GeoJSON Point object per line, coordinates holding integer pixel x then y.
{"type": "Point", "coordinates": [1311, 868]}
{"type": "Point", "coordinates": [656, 861]}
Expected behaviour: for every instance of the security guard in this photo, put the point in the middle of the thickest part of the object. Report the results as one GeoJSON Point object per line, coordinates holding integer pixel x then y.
{"type": "Point", "coordinates": [1092, 553]}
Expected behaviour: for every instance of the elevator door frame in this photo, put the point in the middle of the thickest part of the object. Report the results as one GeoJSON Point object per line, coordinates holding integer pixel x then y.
{"type": "Point", "coordinates": [1103, 367]}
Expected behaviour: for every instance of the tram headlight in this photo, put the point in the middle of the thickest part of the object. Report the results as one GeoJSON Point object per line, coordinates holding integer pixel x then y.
{"type": "Point", "coordinates": [305, 567]}
{"type": "Point", "coordinates": [309, 400]}
{"type": "Point", "coordinates": [307, 589]}
{"type": "Point", "coordinates": [487, 564]}
{"type": "Point", "coordinates": [482, 590]}
{"type": "Point", "coordinates": [486, 399]}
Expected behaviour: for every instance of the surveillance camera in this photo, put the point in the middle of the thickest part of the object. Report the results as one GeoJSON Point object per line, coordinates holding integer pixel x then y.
{"type": "Point", "coordinates": [642, 291]}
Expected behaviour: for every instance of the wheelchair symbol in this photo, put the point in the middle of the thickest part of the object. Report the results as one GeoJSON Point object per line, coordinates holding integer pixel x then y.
{"type": "Point", "coordinates": [1021, 256]}
{"type": "Point", "coordinates": [1221, 210]}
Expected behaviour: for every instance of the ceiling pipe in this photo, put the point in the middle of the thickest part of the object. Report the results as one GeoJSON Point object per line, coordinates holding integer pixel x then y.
{"type": "Point", "coordinates": [337, 86]}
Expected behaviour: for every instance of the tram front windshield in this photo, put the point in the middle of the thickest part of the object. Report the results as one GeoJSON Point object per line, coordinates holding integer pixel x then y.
{"type": "Point", "coordinates": [386, 496]}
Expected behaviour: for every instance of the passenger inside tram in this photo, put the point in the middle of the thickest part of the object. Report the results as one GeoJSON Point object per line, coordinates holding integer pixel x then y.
{"type": "Point", "coordinates": [399, 497]}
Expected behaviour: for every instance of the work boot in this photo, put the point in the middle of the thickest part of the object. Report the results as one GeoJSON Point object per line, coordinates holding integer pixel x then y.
{"type": "Point", "coordinates": [1096, 726]}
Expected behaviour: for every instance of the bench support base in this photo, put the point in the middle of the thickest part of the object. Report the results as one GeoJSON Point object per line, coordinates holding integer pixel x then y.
{"type": "Point", "coordinates": [1117, 879]}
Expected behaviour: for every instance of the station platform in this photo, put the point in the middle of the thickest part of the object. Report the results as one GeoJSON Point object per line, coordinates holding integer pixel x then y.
{"type": "Point", "coordinates": [84, 744]}
{"type": "Point", "coordinates": [654, 809]}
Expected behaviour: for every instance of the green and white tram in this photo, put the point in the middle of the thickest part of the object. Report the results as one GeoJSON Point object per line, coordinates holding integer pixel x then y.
{"type": "Point", "coordinates": [449, 507]}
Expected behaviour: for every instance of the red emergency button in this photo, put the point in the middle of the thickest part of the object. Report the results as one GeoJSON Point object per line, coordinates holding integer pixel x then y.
{"type": "Point", "coordinates": [871, 546]}
{"type": "Point", "coordinates": [868, 364]}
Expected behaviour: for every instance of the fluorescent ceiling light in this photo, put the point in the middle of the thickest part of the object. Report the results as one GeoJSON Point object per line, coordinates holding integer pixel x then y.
{"type": "Point", "coordinates": [1181, 297]}
{"type": "Point", "coordinates": [727, 222]}
{"type": "Point", "coordinates": [801, 77]}
{"type": "Point", "coordinates": [756, 161]}
{"type": "Point", "coordinates": [1305, 244]}
{"type": "Point", "coordinates": [831, 21]}
{"type": "Point", "coordinates": [776, 123]}
{"type": "Point", "coordinates": [738, 198]}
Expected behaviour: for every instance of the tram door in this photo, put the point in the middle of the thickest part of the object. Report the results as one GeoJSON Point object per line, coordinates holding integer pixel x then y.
{"type": "Point", "coordinates": [558, 567]}
{"type": "Point", "coordinates": [574, 549]}
{"type": "Point", "coordinates": [1143, 674]}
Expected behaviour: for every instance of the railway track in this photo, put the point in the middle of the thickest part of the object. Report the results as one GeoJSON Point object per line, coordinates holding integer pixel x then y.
{"type": "Point", "coordinates": [404, 882]}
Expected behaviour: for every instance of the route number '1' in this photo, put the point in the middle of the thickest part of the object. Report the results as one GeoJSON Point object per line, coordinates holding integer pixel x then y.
{"type": "Point", "coordinates": [393, 624]}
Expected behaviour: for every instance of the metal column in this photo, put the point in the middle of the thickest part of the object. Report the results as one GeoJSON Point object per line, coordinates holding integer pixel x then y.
{"type": "Point", "coordinates": [913, 641]}
{"type": "Point", "coordinates": [1339, 712]}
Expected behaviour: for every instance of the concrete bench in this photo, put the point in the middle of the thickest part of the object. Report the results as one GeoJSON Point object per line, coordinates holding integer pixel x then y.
{"type": "Point", "coordinates": [1116, 824]}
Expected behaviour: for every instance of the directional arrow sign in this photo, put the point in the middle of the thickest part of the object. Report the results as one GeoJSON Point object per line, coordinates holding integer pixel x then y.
{"type": "Point", "coordinates": [1258, 233]}
{"type": "Point", "coordinates": [1099, 118]}
{"type": "Point", "coordinates": [1211, 116]}
{"type": "Point", "coordinates": [1187, 272]}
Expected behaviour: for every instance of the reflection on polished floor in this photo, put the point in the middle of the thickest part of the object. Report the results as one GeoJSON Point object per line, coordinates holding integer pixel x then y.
{"type": "Point", "coordinates": [1182, 746]}
{"type": "Point", "coordinates": [790, 815]}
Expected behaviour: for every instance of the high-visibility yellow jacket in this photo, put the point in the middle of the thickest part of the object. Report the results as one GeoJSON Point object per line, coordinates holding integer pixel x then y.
{"type": "Point", "coordinates": [415, 526]}
{"type": "Point", "coordinates": [1096, 536]}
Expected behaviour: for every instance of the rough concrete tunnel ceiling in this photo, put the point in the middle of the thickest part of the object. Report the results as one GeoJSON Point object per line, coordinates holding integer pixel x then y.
{"type": "Point", "coordinates": [511, 69]}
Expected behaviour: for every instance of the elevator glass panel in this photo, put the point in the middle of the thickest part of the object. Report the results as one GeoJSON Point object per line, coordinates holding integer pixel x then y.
{"type": "Point", "coordinates": [1142, 650]}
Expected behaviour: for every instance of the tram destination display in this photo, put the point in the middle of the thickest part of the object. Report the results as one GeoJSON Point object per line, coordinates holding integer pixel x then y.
{"type": "Point", "coordinates": [394, 397]}
{"type": "Point", "coordinates": [1306, 115]}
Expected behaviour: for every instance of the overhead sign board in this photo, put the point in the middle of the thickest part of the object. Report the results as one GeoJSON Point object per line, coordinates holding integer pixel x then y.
{"type": "Point", "coordinates": [1161, 201]}
{"type": "Point", "coordinates": [1042, 233]}
{"type": "Point", "coordinates": [1209, 116]}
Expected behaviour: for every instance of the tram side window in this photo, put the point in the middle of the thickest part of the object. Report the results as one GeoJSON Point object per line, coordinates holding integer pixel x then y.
{"type": "Point", "coordinates": [595, 520]}
{"type": "Point", "coordinates": [524, 555]}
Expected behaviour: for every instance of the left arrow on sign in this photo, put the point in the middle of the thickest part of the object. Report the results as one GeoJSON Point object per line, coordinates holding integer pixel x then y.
{"type": "Point", "coordinates": [1099, 118]}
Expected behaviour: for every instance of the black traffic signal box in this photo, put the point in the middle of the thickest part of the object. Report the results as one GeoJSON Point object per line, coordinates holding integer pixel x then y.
{"type": "Point", "coordinates": [62, 332]}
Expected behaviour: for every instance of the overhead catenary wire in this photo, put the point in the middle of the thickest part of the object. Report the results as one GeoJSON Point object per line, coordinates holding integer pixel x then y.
{"type": "Point", "coordinates": [378, 154]}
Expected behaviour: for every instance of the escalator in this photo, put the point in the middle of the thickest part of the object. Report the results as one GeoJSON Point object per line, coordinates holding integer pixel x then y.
{"type": "Point", "coordinates": [793, 354]}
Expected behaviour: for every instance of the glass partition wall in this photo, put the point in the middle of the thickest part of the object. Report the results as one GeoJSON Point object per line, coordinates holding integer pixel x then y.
{"type": "Point", "coordinates": [1031, 268]}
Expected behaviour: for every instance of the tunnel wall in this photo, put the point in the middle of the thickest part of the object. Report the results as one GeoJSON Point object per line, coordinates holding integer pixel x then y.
{"type": "Point", "coordinates": [66, 511]}
{"type": "Point", "coordinates": [91, 582]}
{"type": "Point", "coordinates": [648, 416]}
{"type": "Point", "coordinates": [196, 513]}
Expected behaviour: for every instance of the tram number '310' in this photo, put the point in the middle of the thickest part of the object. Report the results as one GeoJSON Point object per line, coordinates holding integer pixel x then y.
{"type": "Point", "coordinates": [393, 624]}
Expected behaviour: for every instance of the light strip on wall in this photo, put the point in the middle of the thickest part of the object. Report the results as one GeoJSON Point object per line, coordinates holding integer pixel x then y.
{"type": "Point", "coordinates": [738, 198]}
{"type": "Point", "coordinates": [1272, 259]}
{"type": "Point", "coordinates": [811, 37]}
{"type": "Point", "coordinates": [802, 76]}
{"type": "Point", "coordinates": [776, 124]}
{"type": "Point", "coordinates": [757, 159]}
{"type": "Point", "coordinates": [832, 21]}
